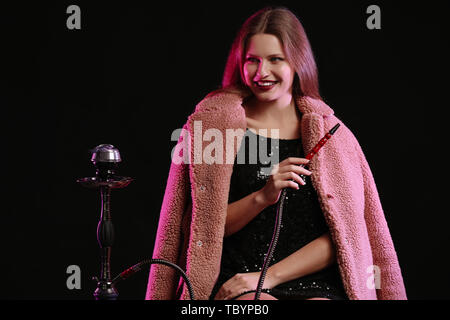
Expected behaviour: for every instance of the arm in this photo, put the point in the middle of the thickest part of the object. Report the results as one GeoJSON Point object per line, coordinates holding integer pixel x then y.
{"type": "Point", "coordinates": [283, 175]}
{"type": "Point", "coordinates": [241, 212]}
{"type": "Point", "coordinates": [315, 256]}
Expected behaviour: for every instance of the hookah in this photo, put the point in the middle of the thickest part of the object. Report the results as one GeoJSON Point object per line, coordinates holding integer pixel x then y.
{"type": "Point", "coordinates": [106, 159]}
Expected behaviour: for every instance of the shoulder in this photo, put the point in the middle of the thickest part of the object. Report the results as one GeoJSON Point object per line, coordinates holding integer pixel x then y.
{"type": "Point", "coordinates": [313, 105]}
{"type": "Point", "coordinates": [220, 109]}
{"type": "Point", "coordinates": [320, 107]}
{"type": "Point", "coordinates": [222, 100]}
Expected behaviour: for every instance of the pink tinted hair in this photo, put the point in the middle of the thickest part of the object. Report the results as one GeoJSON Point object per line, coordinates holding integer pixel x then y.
{"type": "Point", "coordinates": [285, 25]}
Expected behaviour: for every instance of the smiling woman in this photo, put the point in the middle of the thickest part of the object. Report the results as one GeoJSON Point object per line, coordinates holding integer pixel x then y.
{"type": "Point", "coordinates": [281, 30]}
{"type": "Point", "coordinates": [217, 219]}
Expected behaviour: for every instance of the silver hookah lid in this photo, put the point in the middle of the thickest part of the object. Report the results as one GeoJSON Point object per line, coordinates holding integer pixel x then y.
{"type": "Point", "coordinates": [105, 153]}
{"type": "Point", "coordinates": [106, 158]}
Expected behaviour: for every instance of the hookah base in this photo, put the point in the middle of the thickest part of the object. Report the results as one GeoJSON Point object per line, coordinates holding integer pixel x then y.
{"type": "Point", "coordinates": [105, 291]}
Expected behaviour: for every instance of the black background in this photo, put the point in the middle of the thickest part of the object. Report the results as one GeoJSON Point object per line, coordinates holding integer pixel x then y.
{"type": "Point", "coordinates": [133, 74]}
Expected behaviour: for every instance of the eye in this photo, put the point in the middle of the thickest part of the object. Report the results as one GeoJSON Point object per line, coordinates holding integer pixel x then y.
{"type": "Point", "coordinates": [274, 59]}
{"type": "Point", "coordinates": [251, 59]}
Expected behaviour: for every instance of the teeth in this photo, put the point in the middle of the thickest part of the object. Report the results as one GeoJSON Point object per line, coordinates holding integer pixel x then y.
{"type": "Point", "coordinates": [265, 84]}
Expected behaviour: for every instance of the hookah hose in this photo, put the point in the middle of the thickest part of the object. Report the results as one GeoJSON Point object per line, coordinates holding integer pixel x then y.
{"type": "Point", "coordinates": [273, 243]}
{"type": "Point", "coordinates": [279, 214]}
{"type": "Point", "coordinates": [137, 267]}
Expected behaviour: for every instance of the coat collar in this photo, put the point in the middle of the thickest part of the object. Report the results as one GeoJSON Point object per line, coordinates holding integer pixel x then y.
{"type": "Point", "coordinates": [311, 105]}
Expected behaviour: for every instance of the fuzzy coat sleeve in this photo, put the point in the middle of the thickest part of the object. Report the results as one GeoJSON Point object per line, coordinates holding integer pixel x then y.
{"type": "Point", "coordinates": [352, 208]}
{"type": "Point", "coordinates": [385, 260]}
{"type": "Point", "coordinates": [162, 283]}
{"type": "Point", "coordinates": [391, 286]}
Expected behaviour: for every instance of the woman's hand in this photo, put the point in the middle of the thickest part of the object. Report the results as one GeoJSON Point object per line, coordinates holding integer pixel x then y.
{"type": "Point", "coordinates": [284, 175]}
{"type": "Point", "coordinates": [241, 283]}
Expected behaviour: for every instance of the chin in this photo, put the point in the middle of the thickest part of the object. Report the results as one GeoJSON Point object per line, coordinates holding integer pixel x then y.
{"type": "Point", "coordinates": [265, 97]}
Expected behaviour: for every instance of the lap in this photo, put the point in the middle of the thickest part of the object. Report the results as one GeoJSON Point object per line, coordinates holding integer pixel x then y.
{"type": "Point", "coordinates": [251, 296]}
{"type": "Point", "coordinates": [266, 296]}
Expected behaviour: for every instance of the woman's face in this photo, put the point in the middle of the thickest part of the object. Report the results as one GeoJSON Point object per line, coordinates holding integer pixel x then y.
{"type": "Point", "coordinates": [266, 70]}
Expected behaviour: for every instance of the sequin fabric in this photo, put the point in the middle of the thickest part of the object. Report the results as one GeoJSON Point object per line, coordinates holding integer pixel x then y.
{"type": "Point", "coordinates": [302, 222]}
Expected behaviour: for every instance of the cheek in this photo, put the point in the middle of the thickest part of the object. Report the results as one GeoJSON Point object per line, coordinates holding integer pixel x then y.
{"type": "Point", "coordinates": [249, 73]}
{"type": "Point", "coordinates": [287, 74]}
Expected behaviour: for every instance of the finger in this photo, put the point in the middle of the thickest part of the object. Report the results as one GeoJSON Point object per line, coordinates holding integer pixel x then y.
{"type": "Point", "coordinates": [222, 293]}
{"type": "Point", "coordinates": [292, 176]}
{"type": "Point", "coordinates": [227, 288]}
{"type": "Point", "coordinates": [219, 294]}
{"type": "Point", "coordinates": [235, 294]}
{"type": "Point", "coordinates": [229, 294]}
{"type": "Point", "coordinates": [294, 160]}
{"type": "Point", "coordinates": [295, 168]}
{"type": "Point", "coordinates": [287, 184]}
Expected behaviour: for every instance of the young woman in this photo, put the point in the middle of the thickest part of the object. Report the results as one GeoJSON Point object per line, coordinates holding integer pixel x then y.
{"type": "Point", "coordinates": [217, 218]}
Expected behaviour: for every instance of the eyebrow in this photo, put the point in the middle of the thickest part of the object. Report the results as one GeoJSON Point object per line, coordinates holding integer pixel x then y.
{"type": "Point", "coordinates": [270, 56]}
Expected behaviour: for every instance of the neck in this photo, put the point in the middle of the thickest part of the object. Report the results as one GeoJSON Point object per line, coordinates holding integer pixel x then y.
{"type": "Point", "coordinates": [281, 111]}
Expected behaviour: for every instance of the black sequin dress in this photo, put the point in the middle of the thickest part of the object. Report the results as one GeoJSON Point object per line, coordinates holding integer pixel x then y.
{"type": "Point", "coordinates": [302, 222]}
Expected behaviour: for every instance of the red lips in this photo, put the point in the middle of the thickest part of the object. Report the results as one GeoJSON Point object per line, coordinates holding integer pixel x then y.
{"type": "Point", "coordinates": [265, 87]}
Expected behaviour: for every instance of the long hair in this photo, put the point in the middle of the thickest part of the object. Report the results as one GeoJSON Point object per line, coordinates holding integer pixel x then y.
{"type": "Point", "coordinates": [282, 23]}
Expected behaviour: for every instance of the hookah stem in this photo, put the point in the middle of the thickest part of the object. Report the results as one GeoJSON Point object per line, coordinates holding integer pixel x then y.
{"type": "Point", "coordinates": [105, 234]}
{"type": "Point", "coordinates": [279, 214]}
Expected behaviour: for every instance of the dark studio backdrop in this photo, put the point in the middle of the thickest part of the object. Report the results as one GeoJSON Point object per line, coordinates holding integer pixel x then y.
{"type": "Point", "coordinates": [134, 72]}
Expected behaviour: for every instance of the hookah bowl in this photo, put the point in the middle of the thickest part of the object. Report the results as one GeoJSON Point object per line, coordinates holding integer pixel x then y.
{"type": "Point", "coordinates": [106, 159]}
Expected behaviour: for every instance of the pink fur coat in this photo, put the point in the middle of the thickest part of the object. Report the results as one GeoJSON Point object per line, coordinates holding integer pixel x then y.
{"type": "Point", "coordinates": [193, 212]}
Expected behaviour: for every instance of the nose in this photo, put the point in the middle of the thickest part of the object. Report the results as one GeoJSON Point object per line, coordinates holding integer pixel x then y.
{"type": "Point", "coordinates": [262, 71]}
